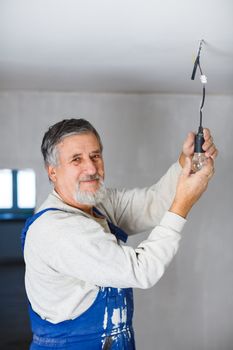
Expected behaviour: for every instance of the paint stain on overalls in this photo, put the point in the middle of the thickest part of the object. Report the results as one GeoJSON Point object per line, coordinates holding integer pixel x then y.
{"type": "Point", "coordinates": [105, 325]}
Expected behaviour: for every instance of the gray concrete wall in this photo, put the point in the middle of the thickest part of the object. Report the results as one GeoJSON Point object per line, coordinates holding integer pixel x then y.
{"type": "Point", "coordinates": [191, 308]}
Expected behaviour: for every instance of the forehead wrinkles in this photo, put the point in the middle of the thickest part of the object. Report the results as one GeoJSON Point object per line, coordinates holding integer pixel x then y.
{"type": "Point", "coordinates": [75, 145]}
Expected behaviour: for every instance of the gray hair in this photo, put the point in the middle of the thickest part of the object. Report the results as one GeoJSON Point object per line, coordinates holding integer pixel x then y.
{"type": "Point", "coordinates": [57, 132]}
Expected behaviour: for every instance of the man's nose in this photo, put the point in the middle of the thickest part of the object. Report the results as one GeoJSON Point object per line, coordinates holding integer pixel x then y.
{"type": "Point", "coordinates": [89, 167]}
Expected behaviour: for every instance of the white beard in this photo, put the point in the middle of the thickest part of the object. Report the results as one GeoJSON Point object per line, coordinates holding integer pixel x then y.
{"type": "Point", "coordinates": [89, 198]}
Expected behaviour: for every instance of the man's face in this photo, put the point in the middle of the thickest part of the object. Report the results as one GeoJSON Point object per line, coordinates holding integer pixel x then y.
{"type": "Point", "coordinates": [80, 168]}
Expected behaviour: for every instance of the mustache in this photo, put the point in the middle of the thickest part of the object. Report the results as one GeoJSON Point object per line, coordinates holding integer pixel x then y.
{"type": "Point", "coordinates": [90, 178]}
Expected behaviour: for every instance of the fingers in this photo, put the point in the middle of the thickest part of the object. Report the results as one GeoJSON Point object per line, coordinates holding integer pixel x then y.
{"type": "Point", "coordinates": [208, 169]}
{"type": "Point", "coordinates": [214, 155]}
{"type": "Point", "coordinates": [209, 146]}
{"type": "Point", "coordinates": [208, 143]}
{"type": "Point", "coordinates": [190, 139]}
{"type": "Point", "coordinates": [212, 150]}
{"type": "Point", "coordinates": [187, 167]}
{"type": "Point", "coordinates": [188, 146]}
{"type": "Point", "coordinates": [206, 133]}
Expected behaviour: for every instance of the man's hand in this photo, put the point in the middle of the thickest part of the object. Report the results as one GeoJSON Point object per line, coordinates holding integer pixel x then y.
{"type": "Point", "coordinates": [191, 186]}
{"type": "Point", "coordinates": [188, 146]}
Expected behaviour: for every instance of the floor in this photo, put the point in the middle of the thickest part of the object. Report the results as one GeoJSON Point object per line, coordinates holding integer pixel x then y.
{"type": "Point", "coordinates": [14, 323]}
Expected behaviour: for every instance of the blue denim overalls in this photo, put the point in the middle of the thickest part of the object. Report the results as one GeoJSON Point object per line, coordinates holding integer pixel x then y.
{"type": "Point", "coordinates": [107, 324]}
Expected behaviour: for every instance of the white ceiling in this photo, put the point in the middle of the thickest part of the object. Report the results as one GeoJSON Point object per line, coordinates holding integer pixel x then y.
{"type": "Point", "coordinates": [115, 45]}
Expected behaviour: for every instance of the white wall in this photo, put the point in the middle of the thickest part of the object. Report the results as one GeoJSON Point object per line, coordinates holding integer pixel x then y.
{"type": "Point", "coordinates": [192, 306]}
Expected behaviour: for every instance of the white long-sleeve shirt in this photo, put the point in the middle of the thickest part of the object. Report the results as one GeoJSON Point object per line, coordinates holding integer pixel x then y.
{"type": "Point", "coordinates": [70, 253]}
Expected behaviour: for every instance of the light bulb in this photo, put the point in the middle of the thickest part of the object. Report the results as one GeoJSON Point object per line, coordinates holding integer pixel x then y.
{"type": "Point", "coordinates": [199, 159]}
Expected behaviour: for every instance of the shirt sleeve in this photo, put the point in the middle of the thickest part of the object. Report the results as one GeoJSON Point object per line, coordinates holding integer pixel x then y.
{"type": "Point", "coordinates": [139, 210]}
{"type": "Point", "coordinates": [87, 252]}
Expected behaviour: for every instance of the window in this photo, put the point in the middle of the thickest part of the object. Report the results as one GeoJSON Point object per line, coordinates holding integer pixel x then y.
{"type": "Point", "coordinates": [17, 193]}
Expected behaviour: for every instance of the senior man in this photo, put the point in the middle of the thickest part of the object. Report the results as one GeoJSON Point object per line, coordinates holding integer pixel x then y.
{"type": "Point", "coordinates": [79, 273]}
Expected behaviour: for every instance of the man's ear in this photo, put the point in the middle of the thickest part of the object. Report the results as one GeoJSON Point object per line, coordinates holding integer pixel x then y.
{"type": "Point", "coordinates": [51, 170]}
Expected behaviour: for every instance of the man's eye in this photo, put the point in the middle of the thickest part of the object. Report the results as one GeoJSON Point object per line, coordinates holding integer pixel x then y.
{"type": "Point", "coordinates": [76, 160]}
{"type": "Point", "coordinates": [96, 156]}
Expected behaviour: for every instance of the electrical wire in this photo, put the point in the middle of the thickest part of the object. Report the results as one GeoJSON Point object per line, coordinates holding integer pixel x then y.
{"type": "Point", "coordinates": [203, 78]}
{"type": "Point", "coordinates": [203, 96]}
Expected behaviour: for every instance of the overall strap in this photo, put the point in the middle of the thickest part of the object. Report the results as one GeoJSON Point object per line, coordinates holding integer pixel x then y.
{"type": "Point", "coordinates": [30, 220]}
{"type": "Point", "coordinates": [117, 231]}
